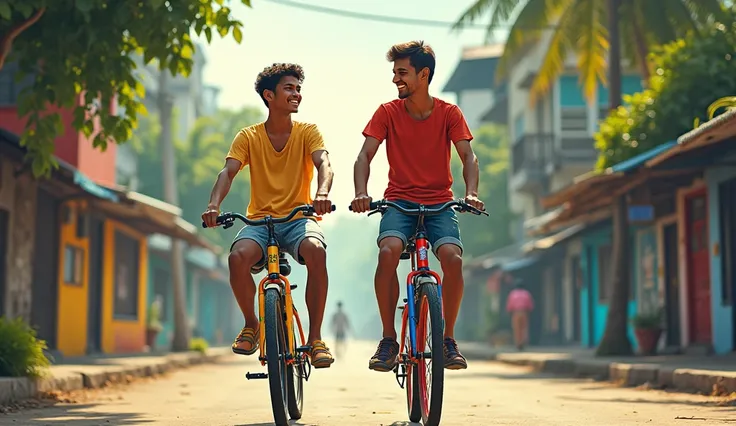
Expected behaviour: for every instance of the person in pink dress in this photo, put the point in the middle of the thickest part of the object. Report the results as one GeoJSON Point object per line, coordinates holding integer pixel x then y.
{"type": "Point", "coordinates": [519, 304]}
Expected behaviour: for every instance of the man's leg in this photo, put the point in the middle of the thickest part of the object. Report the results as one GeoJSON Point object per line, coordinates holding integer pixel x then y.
{"type": "Point", "coordinates": [444, 236]}
{"type": "Point", "coordinates": [305, 241]}
{"type": "Point", "coordinates": [247, 255]}
{"type": "Point", "coordinates": [392, 238]}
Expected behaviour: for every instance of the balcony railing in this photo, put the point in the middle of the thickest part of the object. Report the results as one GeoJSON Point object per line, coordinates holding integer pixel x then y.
{"type": "Point", "coordinates": [532, 153]}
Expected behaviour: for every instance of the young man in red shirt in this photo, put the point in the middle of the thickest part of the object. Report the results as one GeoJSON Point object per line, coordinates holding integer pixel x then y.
{"type": "Point", "coordinates": [419, 130]}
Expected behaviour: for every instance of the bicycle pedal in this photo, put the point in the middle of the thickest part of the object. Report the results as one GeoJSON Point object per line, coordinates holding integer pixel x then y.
{"type": "Point", "coordinates": [293, 286]}
{"type": "Point", "coordinates": [251, 376]}
{"type": "Point", "coordinates": [303, 349]}
{"type": "Point", "coordinates": [401, 308]}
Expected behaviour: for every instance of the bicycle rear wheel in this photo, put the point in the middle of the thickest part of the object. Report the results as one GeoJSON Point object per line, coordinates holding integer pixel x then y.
{"type": "Point", "coordinates": [413, 404]}
{"type": "Point", "coordinates": [276, 348]}
{"type": "Point", "coordinates": [295, 380]}
{"type": "Point", "coordinates": [430, 339]}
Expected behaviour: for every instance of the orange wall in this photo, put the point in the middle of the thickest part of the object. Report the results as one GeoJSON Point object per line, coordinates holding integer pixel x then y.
{"type": "Point", "coordinates": [119, 336]}
{"type": "Point", "coordinates": [72, 146]}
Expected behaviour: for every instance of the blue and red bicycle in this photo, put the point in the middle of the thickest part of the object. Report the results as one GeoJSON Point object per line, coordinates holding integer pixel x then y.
{"type": "Point", "coordinates": [421, 364]}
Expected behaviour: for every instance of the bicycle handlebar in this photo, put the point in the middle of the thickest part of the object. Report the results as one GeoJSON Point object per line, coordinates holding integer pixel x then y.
{"type": "Point", "coordinates": [459, 205]}
{"type": "Point", "coordinates": [228, 218]}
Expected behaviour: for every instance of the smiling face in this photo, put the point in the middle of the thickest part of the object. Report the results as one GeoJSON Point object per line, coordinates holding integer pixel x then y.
{"type": "Point", "coordinates": [287, 95]}
{"type": "Point", "coordinates": [407, 80]}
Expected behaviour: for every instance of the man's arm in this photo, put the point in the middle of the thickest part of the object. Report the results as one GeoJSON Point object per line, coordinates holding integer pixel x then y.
{"type": "Point", "coordinates": [361, 173]}
{"type": "Point", "coordinates": [470, 173]}
{"type": "Point", "coordinates": [322, 203]}
{"type": "Point", "coordinates": [220, 190]}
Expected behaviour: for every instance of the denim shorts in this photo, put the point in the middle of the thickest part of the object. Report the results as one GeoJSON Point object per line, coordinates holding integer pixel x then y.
{"type": "Point", "coordinates": [289, 236]}
{"type": "Point", "coordinates": [441, 229]}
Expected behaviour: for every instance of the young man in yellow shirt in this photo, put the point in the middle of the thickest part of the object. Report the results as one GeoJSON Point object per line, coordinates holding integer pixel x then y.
{"type": "Point", "coordinates": [281, 155]}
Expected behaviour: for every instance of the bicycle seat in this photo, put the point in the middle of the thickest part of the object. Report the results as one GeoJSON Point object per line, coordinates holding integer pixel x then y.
{"type": "Point", "coordinates": [284, 267]}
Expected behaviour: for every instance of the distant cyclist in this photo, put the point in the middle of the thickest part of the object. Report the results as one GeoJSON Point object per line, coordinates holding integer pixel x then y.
{"type": "Point", "coordinates": [340, 326]}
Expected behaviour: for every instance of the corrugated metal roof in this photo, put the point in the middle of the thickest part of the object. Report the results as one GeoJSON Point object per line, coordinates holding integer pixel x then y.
{"type": "Point", "coordinates": [639, 160]}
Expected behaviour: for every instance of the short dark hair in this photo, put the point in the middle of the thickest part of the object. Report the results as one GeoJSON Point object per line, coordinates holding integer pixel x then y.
{"type": "Point", "coordinates": [271, 76]}
{"type": "Point", "coordinates": [420, 55]}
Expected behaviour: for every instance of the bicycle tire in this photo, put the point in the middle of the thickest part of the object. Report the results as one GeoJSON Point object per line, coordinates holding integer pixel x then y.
{"type": "Point", "coordinates": [275, 360]}
{"type": "Point", "coordinates": [295, 383]}
{"type": "Point", "coordinates": [432, 411]}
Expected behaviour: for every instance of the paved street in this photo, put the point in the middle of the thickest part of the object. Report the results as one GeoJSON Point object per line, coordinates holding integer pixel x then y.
{"type": "Point", "coordinates": [349, 394]}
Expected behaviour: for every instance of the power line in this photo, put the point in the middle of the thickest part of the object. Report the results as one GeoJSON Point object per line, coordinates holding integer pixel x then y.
{"type": "Point", "coordinates": [380, 18]}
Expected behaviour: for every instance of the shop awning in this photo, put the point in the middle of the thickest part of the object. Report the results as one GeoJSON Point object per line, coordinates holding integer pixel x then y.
{"type": "Point", "coordinates": [152, 216]}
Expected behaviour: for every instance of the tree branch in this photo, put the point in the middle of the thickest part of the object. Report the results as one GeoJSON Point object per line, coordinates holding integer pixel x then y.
{"type": "Point", "coordinates": [6, 42]}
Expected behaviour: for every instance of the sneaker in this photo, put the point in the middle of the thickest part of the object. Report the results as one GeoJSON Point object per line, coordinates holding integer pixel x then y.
{"type": "Point", "coordinates": [454, 360]}
{"type": "Point", "coordinates": [386, 356]}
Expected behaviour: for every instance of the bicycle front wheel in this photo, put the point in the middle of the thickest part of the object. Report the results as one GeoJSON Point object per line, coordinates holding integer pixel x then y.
{"type": "Point", "coordinates": [295, 374]}
{"type": "Point", "coordinates": [430, 341]}
{"type": "Point", "coordinates": [276, 350]}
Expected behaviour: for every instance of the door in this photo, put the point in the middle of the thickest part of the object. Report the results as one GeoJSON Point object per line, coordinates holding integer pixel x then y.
{"type": "Point", "coordinates": [94, 323]}
{"type": "Point", "coordinates": [45, 286]}
{"type": "Point", "coordinates": [577, 284]}
{"type": "Point", "coordinates": [698, 284]}
{"type": "Point", "coordinates": [591, 299]}
{"type": "Point", "coordinates": [4, 231]}
{"type": "Point", "coordinates": [727, 201]}
{"type": "Point", "coordinates": [672, 284]}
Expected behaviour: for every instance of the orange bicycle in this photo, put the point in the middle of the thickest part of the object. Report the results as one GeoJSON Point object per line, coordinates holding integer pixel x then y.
{"type": "Point", "coordinates": [288, 366]}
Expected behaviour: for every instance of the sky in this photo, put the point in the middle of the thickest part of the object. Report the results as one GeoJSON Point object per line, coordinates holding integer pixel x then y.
{"type": "Point", "coordinates": [346, 74]}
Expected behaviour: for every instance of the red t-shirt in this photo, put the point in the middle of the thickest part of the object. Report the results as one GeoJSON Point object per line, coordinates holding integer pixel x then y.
{"type": "Point", "coordinates": [418, 151]}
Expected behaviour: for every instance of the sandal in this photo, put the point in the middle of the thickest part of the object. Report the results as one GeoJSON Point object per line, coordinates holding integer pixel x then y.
{"type": "Point", "coordinates": [247, 335]}
{"type": "Point", "coordinates": [320, 355]}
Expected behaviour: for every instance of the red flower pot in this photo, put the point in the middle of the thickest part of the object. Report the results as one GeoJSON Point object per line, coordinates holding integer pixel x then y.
{"type": "Point", "coordinates": [647, 339]}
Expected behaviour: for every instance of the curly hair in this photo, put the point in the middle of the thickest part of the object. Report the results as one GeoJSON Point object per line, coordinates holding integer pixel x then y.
{"type": "Point", "coordinates": [271, 76]}
{"type": "Point", "coordinates": [420, 55]}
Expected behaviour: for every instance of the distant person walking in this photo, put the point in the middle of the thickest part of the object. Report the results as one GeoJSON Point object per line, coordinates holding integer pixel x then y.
{"type": "Point", "coordinates": [519, 304]}
{"type": "Point", "coordinates": [340, 326]}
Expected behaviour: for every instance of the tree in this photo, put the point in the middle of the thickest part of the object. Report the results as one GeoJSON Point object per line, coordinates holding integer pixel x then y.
{"type": "Point", "coordinates": [483, 234]}
{"type": "Point", "coordinates": [198, 160]}
{"type": "Point", "coordinates": [691, 74]}
{"type": "Point", "coordinates": [83, 49]}
{"type": "Point", "coordinates": [584, 27]}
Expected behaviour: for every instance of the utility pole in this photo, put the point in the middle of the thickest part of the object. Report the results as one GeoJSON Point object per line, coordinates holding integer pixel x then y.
{"type": "Point", "coordinates": [171, 196]}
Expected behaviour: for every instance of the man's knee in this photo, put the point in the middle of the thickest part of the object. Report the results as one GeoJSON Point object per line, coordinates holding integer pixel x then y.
{"type": "Point", "coordinates": [313, 252]}
{"type": "Point", "coordinates": [246, 253]}
{"type": "Point", "coordinates": [389, 251]}
{"type": "Point", "coordinates": [451, 257]}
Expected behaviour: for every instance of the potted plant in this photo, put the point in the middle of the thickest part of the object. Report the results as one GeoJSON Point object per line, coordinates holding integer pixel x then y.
{"type": "Point", "coordinates": [648, 329]}
{"type": "Point", "coordinates": [153, 323]}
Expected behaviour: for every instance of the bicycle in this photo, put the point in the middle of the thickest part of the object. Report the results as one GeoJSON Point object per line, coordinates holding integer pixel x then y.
{"type": "Point", "coordinates": [287, 364]}
{"type": "Point", "coordinates": [422, 370]}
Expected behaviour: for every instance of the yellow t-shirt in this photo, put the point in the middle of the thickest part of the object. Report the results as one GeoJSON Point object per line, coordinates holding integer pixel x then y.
{"type": "Point", "coordinates": [279, 181]}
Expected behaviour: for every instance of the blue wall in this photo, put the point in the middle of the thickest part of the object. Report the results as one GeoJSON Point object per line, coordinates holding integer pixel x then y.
{"type": "Point", "coordinates": [722, 315]}
{"type": "Point", "coordinates": [571, 94]}
{"type": "Point", "coordinates": [629, 84]}
{"type": "Point", "coordinates": [590, 264]}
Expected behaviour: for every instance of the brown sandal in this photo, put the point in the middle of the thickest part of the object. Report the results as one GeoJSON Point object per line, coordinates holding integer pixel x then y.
{"type": "Point", "coordinates": [320, 355]}
{"type": "Point", "coordinates": [247, 335]}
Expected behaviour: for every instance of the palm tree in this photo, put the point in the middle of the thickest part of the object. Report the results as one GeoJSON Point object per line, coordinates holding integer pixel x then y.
{"type": "Point", "coordinates": [596, 30]}
{"type": "Point", "coordinates": [584, 27]}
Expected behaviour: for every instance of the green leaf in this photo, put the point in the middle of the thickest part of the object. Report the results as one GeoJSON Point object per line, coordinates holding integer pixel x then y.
{"type": "Point", "coordinates": [5, 12]}
{"type": "Point", "coordinates": [208, 34]}
{"type": "Point", "coordinates": [237, 35]}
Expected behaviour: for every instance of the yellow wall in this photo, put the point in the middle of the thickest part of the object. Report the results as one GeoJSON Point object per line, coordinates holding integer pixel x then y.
{"type": "Point", "coordinates": [72, 315]}
{"type": "Point", "coordinates": [118, 335]}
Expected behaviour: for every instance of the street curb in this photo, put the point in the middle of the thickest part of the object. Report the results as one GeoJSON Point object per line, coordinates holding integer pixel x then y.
{"type": "Point", "coordinates": [14, 389]}
{"type": "Point", "coordinates": [630, 374]}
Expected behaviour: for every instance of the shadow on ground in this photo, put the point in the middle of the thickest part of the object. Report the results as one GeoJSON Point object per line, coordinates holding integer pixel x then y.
{"type": "Point", "coordinates": [73, 415]}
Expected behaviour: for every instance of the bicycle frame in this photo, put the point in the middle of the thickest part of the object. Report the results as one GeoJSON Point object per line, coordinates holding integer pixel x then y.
{"type": "Point", "coordinates": [275, 279]}
{"type": "Point", "coordinates": [419, 267]}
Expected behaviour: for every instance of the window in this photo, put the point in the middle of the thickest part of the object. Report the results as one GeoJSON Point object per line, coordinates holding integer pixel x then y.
{"type": "Point", "coordinates": [73, 265]}
{"type": "Point", "coordinates": [10, 87]}
{"type": "Point", "coordinates": [126, 276]}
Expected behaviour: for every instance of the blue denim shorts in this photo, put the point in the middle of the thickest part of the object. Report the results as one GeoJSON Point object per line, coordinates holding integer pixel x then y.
{"type": "Point", "coordinates": [289, 236]}
{"type": "Point", "coordinates": [441, 229]}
